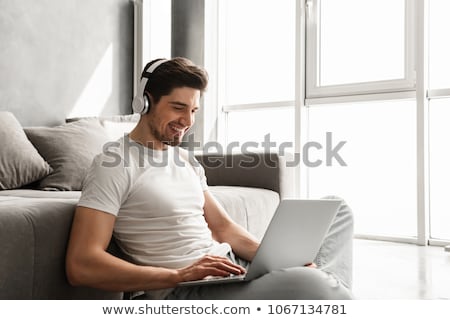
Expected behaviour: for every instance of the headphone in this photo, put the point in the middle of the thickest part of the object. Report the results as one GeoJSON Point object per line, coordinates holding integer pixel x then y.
{"type": "Point", "coordinates": [141, 102]}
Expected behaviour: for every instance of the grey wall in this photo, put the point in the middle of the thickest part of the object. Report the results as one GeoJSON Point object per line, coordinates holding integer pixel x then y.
{"type": "Point", "coordinates": [188, 29]}
{"type": "Point", "coordinates": [65, 58]}
{"type": "Point", "coordinates": [188, 40]}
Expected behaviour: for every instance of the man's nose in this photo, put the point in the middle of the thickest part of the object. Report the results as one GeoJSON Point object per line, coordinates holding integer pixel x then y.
{"type": "Point", "coordinates": [188, 119]}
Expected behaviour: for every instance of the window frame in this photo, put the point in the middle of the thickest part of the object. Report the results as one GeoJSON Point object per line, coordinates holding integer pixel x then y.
{"type": "Point", "coordinates": [315, 90]}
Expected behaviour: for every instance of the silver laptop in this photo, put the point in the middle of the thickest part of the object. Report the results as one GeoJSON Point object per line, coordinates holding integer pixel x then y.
{"type": "Point", "coordinates": [292, 239]}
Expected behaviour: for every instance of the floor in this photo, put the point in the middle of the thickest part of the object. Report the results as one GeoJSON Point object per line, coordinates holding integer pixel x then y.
{"type": "Point", "coordinates": [387, 270]}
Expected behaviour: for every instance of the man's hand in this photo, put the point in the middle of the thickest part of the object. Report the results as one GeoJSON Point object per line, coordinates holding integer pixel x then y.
{"type": "Point", "coordinates": [210, 266]}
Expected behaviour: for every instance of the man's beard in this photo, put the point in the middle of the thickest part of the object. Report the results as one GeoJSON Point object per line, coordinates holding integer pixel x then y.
{"type": "Point", "coordinates": [164, 139]}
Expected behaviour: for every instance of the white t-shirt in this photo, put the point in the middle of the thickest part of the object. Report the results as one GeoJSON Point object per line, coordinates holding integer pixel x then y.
{"type": "Point", "coordinates": [157, 197]}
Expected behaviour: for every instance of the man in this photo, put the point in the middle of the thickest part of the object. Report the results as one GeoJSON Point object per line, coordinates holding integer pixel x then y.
{"type": "Point", "coordinates": [155, 200]}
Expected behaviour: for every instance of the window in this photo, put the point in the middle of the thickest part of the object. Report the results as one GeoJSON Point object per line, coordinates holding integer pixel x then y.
{"type": "Point", "coordinates": [350, 51]}
{"type": "Point", "coordinates": [152, 33]}
{"type": "Point", "coordinates": [359, 63]}
{"type": "Point", "coordinates": [379, 176]}
{"type": "Point", "coordinates": [360, 84]}
{"type": "Point", "coordinates": [439, 106]}
{"type": "Point", "coordinates": [439, 168]}
{"type": "Point", "coordinates": [258, 50]}
{"type": "Point", "coordinates": [439, 50]}
{"type": "Point", "coordinates": [256, 68]}
{"type": "Point", "coordinates": [258, 126]}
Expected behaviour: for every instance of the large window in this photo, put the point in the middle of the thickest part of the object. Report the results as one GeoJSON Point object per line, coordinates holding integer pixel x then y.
{"type": "Point", "coordinates": [256, 59]}
{"type": "Point", "coordinates": [360, 74]}
{"type": "Point", "coordinates": [152, 33]}
{"type": "Point", "coordinates": [259, 50]}
{"type": "Point", "coordinates": [376, 171]}
{"type": "Point", "coordinates": [350, 71]}
{"type": "Point", "coordinates": [439, 168]}
{"type": "Point", "coordinates": [263, 126]}
{"type": "Point", "coordinates": [439, 83]}
{"type": "Point", "coordinates": [349, 54]}
{"type": "Point", "coordinates": [439, 25]}
{"type": "Point", "coordinates": [359, 46]}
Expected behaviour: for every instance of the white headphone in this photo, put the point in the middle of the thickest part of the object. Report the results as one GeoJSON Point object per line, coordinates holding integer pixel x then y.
{"type": "Point", "coordinates": [140, 102]}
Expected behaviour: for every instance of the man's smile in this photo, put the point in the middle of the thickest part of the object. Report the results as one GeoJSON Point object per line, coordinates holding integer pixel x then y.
{"type": "Point", "coordinates": [177, 129]}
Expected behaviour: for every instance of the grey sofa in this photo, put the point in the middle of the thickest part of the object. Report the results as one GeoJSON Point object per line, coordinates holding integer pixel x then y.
{"type": "Point", "coordinates": [35, 224]}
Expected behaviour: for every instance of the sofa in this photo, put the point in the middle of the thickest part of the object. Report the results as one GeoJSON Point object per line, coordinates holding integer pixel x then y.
{"type": "Point", "coordinates": [41, 174]}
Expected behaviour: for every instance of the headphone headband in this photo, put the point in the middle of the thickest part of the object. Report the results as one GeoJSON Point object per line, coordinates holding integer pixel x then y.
{"type": "Point", "coordinates": [140, 102]}
{"type": "Point", "coordinates": [155, 65]}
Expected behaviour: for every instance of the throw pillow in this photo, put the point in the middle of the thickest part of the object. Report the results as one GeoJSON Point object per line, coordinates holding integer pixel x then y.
{"type": "Point", "coordinates": [116, 126]}
{"type": "Point", "coordinates": [20, 163]}
{"type": "Point", "coordinates": [69, 149]}
{"type": "Point", "coordinates": [117, 130]}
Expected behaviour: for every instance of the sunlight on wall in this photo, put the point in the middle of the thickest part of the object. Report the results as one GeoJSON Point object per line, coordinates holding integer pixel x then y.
{"type": "Point", "coordinates": [98, 89]}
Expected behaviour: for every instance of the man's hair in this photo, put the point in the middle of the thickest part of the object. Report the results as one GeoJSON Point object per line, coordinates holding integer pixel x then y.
{"type": "Point", "coordinates": [175, 73]}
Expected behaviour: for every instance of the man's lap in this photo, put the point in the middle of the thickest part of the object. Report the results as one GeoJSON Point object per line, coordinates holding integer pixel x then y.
{"type": "Point", "coordinates": [287, 284]}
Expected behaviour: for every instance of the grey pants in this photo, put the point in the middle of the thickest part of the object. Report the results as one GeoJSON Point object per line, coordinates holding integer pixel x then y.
{"type": "Point", "coordinates": [331, 280]}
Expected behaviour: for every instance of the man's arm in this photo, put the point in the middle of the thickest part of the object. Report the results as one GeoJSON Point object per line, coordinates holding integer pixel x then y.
{"type": "Point", "coordinates": [224, 229]}
{"type": "Point", "coordinates": [89, 264]}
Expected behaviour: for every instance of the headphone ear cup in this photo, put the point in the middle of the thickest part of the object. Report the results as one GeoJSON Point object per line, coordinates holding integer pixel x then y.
{"type": "Point", "coordinates": [138, 103]}
{"type": "Point", "coordinates": [146, 104]}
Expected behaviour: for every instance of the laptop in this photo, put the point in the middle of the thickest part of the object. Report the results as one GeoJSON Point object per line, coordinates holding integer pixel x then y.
{"type": "Point", "coordinates": [292, 239]}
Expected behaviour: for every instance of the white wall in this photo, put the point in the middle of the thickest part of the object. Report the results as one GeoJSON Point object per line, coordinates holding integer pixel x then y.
{"type": "Point", "coordinates": [65, 58]}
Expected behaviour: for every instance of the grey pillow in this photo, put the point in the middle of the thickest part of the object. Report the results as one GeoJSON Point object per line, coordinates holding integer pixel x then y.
{"type": "Point", "coordinates": [69, 149]}
{"type": "Point", "coordinates": [20, 163]}
{"type": "Point", "coordinates": [116, 126]}
{"type": "Point", "coordinates": [116, 118]}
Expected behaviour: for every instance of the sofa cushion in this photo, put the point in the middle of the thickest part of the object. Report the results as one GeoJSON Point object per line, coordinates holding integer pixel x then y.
{"type": "Point", "coordinates": [116, 126]}
{"type": "Point", "coordinates": [20, 163]}
{"type": "Point", "coordinates": [252, 208]}
{"type": "Point", "coordinates": [32, 193]}
{"type": "Point", "coordinates": [69, 149]}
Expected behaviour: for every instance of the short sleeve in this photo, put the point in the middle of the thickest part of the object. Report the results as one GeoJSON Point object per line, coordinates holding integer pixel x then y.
{"type": "Point", "coordinates": [105, 186]}
{"type": "Point", "coordinates": [200, 171]}
{"type": "Point", "coordinates": [198, 168]}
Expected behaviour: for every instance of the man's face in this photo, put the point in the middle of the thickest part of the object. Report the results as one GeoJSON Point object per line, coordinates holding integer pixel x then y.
{"type": "Point", "coordinates": [172, 116]}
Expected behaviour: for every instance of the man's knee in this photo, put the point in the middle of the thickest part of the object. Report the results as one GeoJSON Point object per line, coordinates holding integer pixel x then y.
{"type": "Point", "coordinates": [345, 213]}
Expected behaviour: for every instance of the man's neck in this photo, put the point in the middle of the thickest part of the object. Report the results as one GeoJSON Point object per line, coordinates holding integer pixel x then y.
{"type": "Point", "coordinates": [146, 139]}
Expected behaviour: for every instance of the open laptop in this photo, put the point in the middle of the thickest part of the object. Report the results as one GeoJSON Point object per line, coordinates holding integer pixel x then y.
{"type": "Point", "coordinates": [292, 239]}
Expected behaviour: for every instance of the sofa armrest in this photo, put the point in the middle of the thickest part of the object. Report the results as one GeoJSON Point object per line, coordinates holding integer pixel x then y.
{"type": "Point", "coordinates": [259, 170]}
{"type": "Point", "coordinates": [33, 238]}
